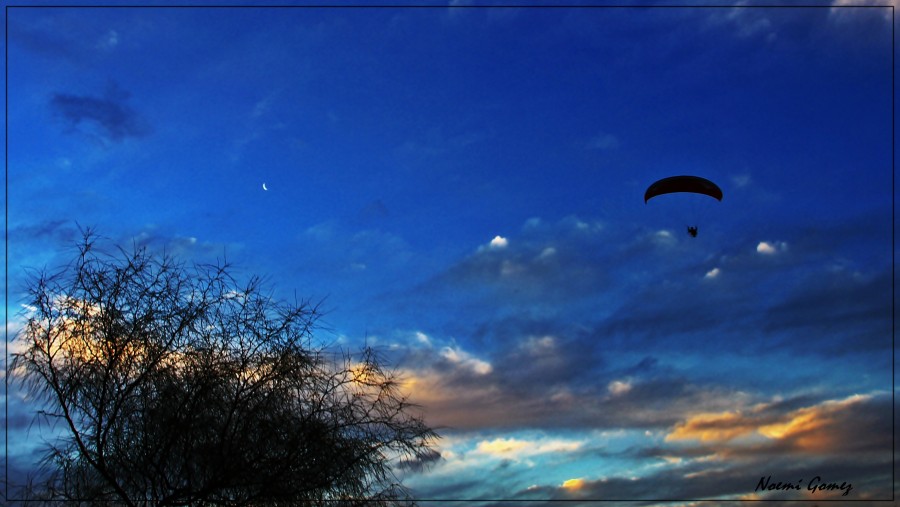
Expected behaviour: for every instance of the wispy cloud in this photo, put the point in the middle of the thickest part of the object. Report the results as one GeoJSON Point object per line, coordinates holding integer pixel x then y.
{"type": "Point", "coordinates": [843, 9]}
{"type": "Point", "coordinates": [518, 449]}
{"type": "Point", "coordinates": [62, 37]}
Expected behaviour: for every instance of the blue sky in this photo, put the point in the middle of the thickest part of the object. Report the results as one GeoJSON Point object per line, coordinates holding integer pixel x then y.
{"type": "Point", "coordinates": [464, 188]}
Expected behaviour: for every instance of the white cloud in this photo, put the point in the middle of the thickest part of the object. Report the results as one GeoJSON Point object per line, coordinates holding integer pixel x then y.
{"type": "Point", "coordinates": [547, 253]}
{"type": "Point", "coordinates": [517, 449]}
{"type": "Point", "coordinates": [712, 273]}
{"type": "Point", "coordinates": [619, 387]}
{"type": "Point", "coordinates": [582, 226]}
{"type": "Point", "coordinates": [663, 237]}
{"type": "Point", "coordinates": [539, 345]}
{"type": "Point", "coordinates": [423, 338]}
{"type": "Point", "coordinates": [458, 356]}
{"type": "Point", "coordinates": [499, 242]}
{"type": "Point", "coordinates": [18, 343]}
{"type": "Point", "coordinates": [767, 248]}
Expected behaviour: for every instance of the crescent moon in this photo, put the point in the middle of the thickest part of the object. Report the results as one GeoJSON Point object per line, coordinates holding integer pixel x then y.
{"type": "Point", "coordinates": [265, 188]}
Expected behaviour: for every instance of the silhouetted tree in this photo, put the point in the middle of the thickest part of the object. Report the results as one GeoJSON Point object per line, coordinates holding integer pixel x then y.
{"type": "Point", "coordinates": [175, 385]}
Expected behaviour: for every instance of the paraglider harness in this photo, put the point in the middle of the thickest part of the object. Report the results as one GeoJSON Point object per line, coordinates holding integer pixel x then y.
{"type": "Point", "coordinates": [692, 231]}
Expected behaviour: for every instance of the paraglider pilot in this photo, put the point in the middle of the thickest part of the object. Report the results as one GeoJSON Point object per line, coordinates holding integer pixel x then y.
{"type": "Point", "coordinates": [692, 231]}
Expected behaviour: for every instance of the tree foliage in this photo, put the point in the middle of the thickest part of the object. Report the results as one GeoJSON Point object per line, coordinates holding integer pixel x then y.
{"type": "Point", "coordinates": [174, 384]}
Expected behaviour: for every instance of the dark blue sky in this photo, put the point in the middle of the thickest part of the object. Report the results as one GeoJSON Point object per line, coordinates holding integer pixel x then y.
{"type": "Point", "coordinates": [465, 187]}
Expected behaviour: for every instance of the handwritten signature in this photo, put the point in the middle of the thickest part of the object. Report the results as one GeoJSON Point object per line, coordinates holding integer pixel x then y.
{"type": "Point", "coordinates": [815, 484]}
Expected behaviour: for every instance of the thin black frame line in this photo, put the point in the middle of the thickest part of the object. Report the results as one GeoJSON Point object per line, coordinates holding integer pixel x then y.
{"type": "Point", "coordinates": [893, 252]}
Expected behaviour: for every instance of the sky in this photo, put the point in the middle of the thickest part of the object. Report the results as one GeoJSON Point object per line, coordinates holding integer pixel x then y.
{"type": "Point", "coordinates": [463, 188]}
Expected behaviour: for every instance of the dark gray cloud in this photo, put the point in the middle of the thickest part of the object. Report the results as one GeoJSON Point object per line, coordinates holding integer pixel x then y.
{"type": "Point", "coordinates": [838, 303]}
{"type": "Point", "coordinates": [420, 463]}
{"type": "Point", "coordinates": [736, 480]}
{"type": "Point", "coordinates": [107, 117]}
{"type": "Point", "coordinates": [52, 231]}
{"type": "Point", "coordinates": [812, 292]}
{"type": "Point", "coordinates": [546, 381]}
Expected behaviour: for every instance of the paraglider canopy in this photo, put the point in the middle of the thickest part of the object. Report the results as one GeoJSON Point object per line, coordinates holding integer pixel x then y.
{"type": "Point", "coordinates": [694, 184]}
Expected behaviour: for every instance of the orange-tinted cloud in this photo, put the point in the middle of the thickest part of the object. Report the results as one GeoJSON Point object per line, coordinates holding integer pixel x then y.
{"type": "Point", "coordinates": [713, 427]}
{"type": "Point", "coordinates": [817, 428]}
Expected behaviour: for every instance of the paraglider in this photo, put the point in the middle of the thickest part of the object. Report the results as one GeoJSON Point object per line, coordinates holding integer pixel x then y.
{"type": "Point", "coordinates": [690, 184]}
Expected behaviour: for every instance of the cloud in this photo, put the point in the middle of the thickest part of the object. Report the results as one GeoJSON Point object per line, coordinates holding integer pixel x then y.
{"type": "Point", "coordinates": [109, 41]}
{"type": "Point", "coordinates": [618, 387]}
{"type": "Point", "coordinates": [712, 440]}
{"type": "Point", "coordinates": [519, 449]}
{"type": "Point", "coordinates": [333, 252]}
{"type": "Point", "coordinates": [556, 312]}
{"type": "Point", "coordinates": [715, 427]}
{"type": "Point", "coordinates": [57, 231]}
{"type": "Point", "coordinates": [544, 263]}
{"type": "Point", "coordinates": [857, 424]}
{"type": "Point", "coordinates": [157, 239]}
{"type": "Point", "coordinates": [522, 387]}
{"type": "Point", "coordinates": [262, 106]}
{"type": "Point", "coordinates": [62, 36]}
{"type": "Point", "coordinates": [106, 117]}
{"type": "Point", "coordinates": [838, 440]}
{"type": "Point", "coordinates": [573, 484]}
{"type": "Point", "coordinates": [773, 286]}
{"type": "Point", "coordinates": [498, 242]}
{"type": "Point", "coordinates": [462, 358]}
{"type": "Point", "coordinates": [420, 463]}
{"type": "Point", "coordinates": [771, 248]}
{"type": "Point", "coordinates": [748, 23]}
{"type": "Point", "coordinates": [546, 381]}
{"type": "Point", "coordinates": [423, 338]}
{"type": "Point", "coordinates": [837, 308]}
{"type": "Point", "coordinates": [630, 349]}
{"type": "Point", "coordinates": [840, 11]}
